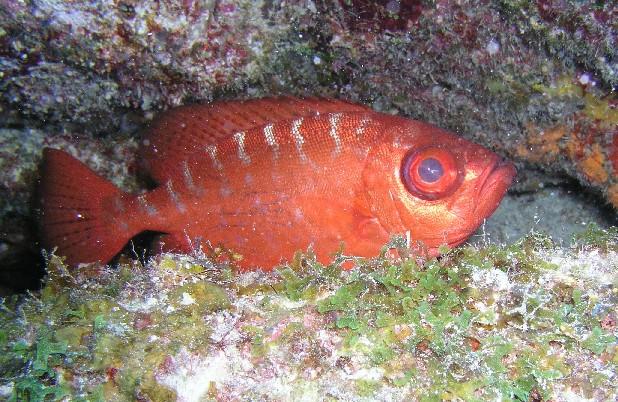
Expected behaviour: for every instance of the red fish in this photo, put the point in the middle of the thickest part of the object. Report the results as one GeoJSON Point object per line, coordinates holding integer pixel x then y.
{"type": "Point", "coordinates": [267, 177]}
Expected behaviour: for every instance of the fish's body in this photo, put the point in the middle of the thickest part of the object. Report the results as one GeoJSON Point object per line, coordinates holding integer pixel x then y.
{"type": "Point", "coordinates": [271, 176]}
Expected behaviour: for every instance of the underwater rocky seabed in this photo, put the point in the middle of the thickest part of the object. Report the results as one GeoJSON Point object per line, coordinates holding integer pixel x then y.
{"type": "Point", "coordinates": [531, 320]}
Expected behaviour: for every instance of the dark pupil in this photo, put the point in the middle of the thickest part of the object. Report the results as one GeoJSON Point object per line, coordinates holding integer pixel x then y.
{"type": "Point", "coordinates": [430, 170]}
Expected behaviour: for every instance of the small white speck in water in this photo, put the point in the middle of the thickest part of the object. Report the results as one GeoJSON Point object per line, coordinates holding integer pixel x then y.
{"type": "Point", "coordinates": [187, 299]}
{"type": "Point", "coordinates": [492, 47]}
{"type": "Point", "coordinates": [585, 79]}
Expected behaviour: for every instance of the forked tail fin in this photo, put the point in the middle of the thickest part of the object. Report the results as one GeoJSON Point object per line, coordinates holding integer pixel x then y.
{"type": "Point", "coordinates": [75, 206]}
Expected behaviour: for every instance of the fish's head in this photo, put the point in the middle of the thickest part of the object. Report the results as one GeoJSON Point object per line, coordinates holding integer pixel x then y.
{"type": "Point", "coordinates": [429, 183]}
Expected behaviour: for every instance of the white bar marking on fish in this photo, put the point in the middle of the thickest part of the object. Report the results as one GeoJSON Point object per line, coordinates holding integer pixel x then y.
{"type": "Point", "coordinates": [298, 139]}
{"type": "Point", "coordinates": [360, 130]}
{"type": "Point", "coordinates": [189, 182]}
{"type": "Point", "coordinates": [175, 199]}
{"type": "Point", "coordinates": [240, 142]}
{"type": "Point", "coordinates": [150, 209]}
{"type": "Point", "coordinates": [212, 151]}
{"type": "Point", "coordinates": [118, 204]}
{"type": "Point", "coordinates": [186, 172]}
{"type": "Point", "coordinates": [269, 135]}
{"type": "Point", "coordinates": [334, 126]}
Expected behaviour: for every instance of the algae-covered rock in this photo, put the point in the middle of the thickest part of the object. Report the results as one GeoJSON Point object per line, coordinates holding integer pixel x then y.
{"type": "Point", "coordinates": [199, 298]}
{"type": "Point", "coordinates": [526, 321]}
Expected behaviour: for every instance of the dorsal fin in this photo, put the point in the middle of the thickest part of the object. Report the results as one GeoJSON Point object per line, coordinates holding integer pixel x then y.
{"type": "Point", "coordinates": [178, 134]}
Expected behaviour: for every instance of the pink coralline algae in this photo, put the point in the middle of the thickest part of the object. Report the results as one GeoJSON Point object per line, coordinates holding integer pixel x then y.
{"type": "Point", "coordinates": [391, 15]}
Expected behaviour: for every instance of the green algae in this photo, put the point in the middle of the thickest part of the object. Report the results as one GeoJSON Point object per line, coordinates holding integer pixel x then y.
{"type": "Point", "coordinates": [294, 286]}
{"type": "Point", "coordinates": [94, 332]}
{"type": "Point", "coordinates": [595, 106]}
{"type": "Point", "coordinates": [597, 237]}
{"type": "Point", "coordinates": [477, 324]}
{"type": "Point", "coordinates": [42, 381]}
{"type": "Point", "coordinates": [199, 298]}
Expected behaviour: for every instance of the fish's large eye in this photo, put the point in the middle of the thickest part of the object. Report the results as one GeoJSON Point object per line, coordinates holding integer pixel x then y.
{"type": "Point", "coordinates": [431, 173]}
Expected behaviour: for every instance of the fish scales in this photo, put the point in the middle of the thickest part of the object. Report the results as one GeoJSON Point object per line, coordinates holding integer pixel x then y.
{"type": "Point", "coordinates": [271, 176]}
{"type": "Point", "coordinates": [168, 136]}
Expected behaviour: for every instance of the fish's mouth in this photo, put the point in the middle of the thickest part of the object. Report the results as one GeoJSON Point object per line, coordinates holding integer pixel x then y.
{"type": "Point", "coordinates": [435, 251]}
{"type": "Point", "coordinates": [495, 180]}
{"type": "Point", "coordinates": [491, 186]}
{"type": "Point", "coordinates": [498, 178]}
